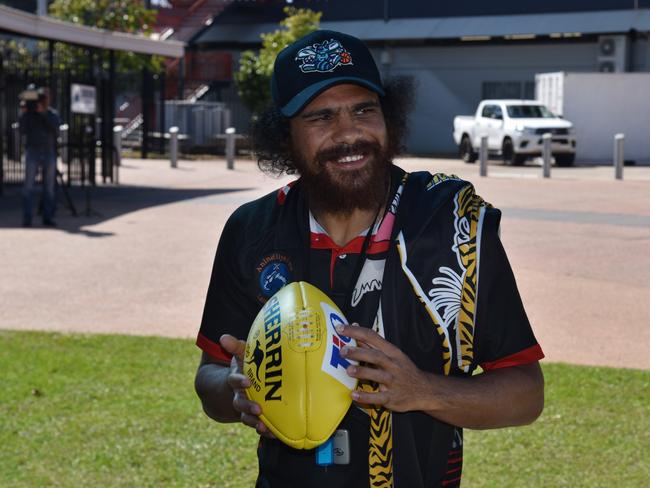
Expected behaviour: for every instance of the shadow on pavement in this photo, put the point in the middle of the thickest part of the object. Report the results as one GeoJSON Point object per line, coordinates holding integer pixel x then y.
{"type": "Point", "coordinates": [96, 205]}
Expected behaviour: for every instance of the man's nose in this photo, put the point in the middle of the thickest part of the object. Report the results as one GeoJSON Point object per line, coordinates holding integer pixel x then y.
{"type": "Point", "coordinates": [346, 131]}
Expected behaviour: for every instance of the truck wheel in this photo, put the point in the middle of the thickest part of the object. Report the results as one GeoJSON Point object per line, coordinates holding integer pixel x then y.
{"type": "Point", "coordinates": [565, 159]}
{"type": "Point", "coordinates": [467, 153]}
{"type": "Point", "coordinates": [509, 155]}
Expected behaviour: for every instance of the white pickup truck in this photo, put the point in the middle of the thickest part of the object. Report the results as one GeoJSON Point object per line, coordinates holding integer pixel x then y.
{"type": "Point", "coordinates": [514, 130]}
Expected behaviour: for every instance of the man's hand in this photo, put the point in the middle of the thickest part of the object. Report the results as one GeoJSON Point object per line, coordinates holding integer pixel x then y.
{"type": "Point", "coordinates": [238, 382]}
{"type": "Point", "coordinates": [502, 397]}
{"type": "Point", "coordinates": [401, 383]}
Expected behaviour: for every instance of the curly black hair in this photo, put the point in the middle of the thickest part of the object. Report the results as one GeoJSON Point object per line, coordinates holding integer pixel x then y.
{"type": "Point", "coordinates": [271, 138]}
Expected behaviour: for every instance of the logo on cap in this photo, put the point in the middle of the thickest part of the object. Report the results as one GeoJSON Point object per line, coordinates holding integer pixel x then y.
{"type": "Point", "coordinates": [323, 57]}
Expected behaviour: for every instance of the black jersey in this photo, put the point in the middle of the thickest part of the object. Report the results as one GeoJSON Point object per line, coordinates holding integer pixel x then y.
{"type": "Point", "coordinates": [273, 241]}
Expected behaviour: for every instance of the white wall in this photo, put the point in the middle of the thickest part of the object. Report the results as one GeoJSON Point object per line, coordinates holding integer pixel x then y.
{"type": "Point", "coordinates": [603, 104]}
{"type": "Point", "coordinates": [450, 79]}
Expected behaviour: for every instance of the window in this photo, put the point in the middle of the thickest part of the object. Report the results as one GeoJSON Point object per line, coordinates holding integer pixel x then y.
{"type": "Point", "coordinates": [529, 112]}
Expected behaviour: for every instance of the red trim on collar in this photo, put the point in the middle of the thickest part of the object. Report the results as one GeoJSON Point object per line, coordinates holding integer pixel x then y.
{"type": "Point", "coordinates": [526, 356]}
{"type": "Point", "coordinates": [323, 241]}
{"type": "Point", "coordinates": [284, 191]}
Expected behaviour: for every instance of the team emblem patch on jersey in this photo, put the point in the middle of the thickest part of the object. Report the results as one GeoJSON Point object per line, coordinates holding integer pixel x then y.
{"type": "Point", "coordinates": [323, 57]}
{"type": "Point", "coordinates": [274, 272]}
{"type": "Point", "coordinates": [333, 363]}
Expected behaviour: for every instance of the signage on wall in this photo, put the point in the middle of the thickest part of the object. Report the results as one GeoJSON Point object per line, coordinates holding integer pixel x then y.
{"type": "Point", "coordinates": [83, 99]}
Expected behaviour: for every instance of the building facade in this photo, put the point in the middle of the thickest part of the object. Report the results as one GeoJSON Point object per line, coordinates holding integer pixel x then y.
{"type": "Point", "coordinates": [458, 54]}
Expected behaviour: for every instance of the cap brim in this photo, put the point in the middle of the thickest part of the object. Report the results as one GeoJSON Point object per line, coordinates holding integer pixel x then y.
{"type": "Point", "coordinates": [298, 102]}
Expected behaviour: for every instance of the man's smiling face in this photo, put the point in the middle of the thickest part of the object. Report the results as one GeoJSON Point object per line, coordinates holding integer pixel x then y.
{"type": "Point", "coordinates": [339, 143]}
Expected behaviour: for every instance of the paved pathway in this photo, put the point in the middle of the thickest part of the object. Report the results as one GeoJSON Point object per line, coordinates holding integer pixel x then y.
{"type": "Point", "coordinates": [579, 244]}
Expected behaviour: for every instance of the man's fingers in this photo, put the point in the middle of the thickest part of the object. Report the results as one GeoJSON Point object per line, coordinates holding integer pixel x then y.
{"type": "Point", "coordinates": [249, 410]}
{"type": "Point", "coordinates": [238, 381]}
{"type": "Point", "coordinates": [263, 430]}
{"type": "Point", "coordinates": [368, 398]}
{"type": "Point", "coordinates": [367, 336]}
{"type": "Point", "coordinates": [232, 345]}
{"type": "Point", "coordinates": [245, 406]}
{"type": "Point", "coordinates": [367, 355]}
{"type": "Point", "coordinates": [371, 374]}
{"type": "Point", "coordinates": [250, 420]}
{"type": "Point", "coordinates": [253, 420]}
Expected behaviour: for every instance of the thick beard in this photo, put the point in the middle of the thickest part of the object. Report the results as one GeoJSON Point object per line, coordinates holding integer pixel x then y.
{"type": "Point", "coordinates": [362, 189]}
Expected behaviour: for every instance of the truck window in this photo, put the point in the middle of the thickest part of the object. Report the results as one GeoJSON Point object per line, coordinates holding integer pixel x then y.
{"type": "Point", "coordinates": [487, 112]}
{"type": "Point", "coordinates": [498, 113]}
{"type": "Point", "coordinates": [529, 112]}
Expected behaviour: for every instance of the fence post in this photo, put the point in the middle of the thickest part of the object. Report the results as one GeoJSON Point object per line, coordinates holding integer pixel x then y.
{"type": "Point", "coordinates": [230, 147]}
{"type": "Point", "coordinates": [483, 156]}
{"type": "Point", "coordinates": [546, 155]}
{"type": "Point", "coordinates": [117, 144]}
{"type": "Point", "coordinates": [64, 134]}
{"type": "Point", "coordinates": [619, 154]}
{"type": "Point", "coordinates": [173, 146]}
{"type": "Point", "coordinates": [16, 149]}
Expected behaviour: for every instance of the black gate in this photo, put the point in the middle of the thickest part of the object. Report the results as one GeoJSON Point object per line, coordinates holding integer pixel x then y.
{"type": "Point", "coordinates": [86, 144]}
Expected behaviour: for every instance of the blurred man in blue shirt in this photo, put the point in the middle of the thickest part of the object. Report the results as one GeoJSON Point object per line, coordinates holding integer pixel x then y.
{"type": "Point", "coordinates": [39, 123]}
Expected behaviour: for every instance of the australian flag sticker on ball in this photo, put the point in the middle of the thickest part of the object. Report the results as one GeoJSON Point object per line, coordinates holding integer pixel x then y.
{"type": "Point", "coordinates": [323, 57]}
{"type": "Point", "coordinates": [333, 363]}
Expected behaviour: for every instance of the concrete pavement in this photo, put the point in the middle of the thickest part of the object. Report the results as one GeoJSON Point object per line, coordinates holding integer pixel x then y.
{"type": "Point", "coordinates": [579, 244]}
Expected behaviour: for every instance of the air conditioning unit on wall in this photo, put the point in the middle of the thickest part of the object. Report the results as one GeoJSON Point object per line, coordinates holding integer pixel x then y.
{"type": "Point", "coordinates": [612, 54]}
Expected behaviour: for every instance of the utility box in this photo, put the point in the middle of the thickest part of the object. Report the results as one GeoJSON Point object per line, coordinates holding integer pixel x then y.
{"type": "Point", "coordinates": [601, 105]}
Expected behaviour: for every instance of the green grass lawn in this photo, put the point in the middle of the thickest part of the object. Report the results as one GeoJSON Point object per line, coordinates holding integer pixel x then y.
{"type": "Point", "coordinates": [102, 410]}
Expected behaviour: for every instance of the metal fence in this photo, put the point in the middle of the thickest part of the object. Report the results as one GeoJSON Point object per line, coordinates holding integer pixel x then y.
{"type": "Point", "coordinates": [87, 150]}
{"type": "Point", "coordinates": [146, 105]}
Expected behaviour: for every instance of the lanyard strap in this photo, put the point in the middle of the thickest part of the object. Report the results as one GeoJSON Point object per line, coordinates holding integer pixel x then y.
{"type": "Point", "coordinates": [359, 265]}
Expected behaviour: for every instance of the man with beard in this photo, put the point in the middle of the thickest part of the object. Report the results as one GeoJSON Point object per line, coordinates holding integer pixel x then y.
{"type": "Point", "coordinates": [399, 253]}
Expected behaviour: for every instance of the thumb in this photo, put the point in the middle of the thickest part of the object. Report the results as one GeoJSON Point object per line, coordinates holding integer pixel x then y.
{"type": "Point", "coordinates": [232, 345]}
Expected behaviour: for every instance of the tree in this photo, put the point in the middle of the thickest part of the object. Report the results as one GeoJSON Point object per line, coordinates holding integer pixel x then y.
{"type": "Point", "coordinates": [130, 16]}
{"type": "Point", "coordinates": [253, 79]}
{"type": "Point", "coordinates": [16, 55]}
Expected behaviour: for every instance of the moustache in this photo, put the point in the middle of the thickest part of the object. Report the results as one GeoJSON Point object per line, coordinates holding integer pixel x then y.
{"type": "Point", "coordinates": [342, 150]}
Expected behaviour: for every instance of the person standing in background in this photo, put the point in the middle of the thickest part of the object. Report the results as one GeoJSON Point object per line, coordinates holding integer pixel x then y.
{"type": "Point", "coordinates": [39, 124]}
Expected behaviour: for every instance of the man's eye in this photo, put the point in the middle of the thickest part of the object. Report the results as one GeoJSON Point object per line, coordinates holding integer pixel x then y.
{"type": "Point", "coordinates": [366, 110]}
{"type": "Point", "coordinates": [318, 118]}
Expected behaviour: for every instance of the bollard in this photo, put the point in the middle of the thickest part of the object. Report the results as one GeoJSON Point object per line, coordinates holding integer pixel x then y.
{"type": "Point", "coordinates": [619, 153]}
{"type": "Point", "coordinates": [117, 144]}
{"type": "Point", "coordinates": [173, 146]}
{"type": "Point", "coordinates": [227, 118]}
{"type": "Point", "coordinates": [16, 149]}
{"type": "Point", "coordinates": [483, 156]}
{"type": "Point", "coordinates": [64, 134]}
{"type": "Point", "coordinates": [546, 155]}
{"type": "Point", "coordinates": [230, 147]}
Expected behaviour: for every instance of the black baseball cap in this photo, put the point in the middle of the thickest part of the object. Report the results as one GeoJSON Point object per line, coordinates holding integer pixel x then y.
{"type": "Point", "coordinates": [315, 63]}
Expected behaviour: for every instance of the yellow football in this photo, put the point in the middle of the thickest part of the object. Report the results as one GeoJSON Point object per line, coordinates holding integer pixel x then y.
{"type": "Point", "coordinates": [294, 364]}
